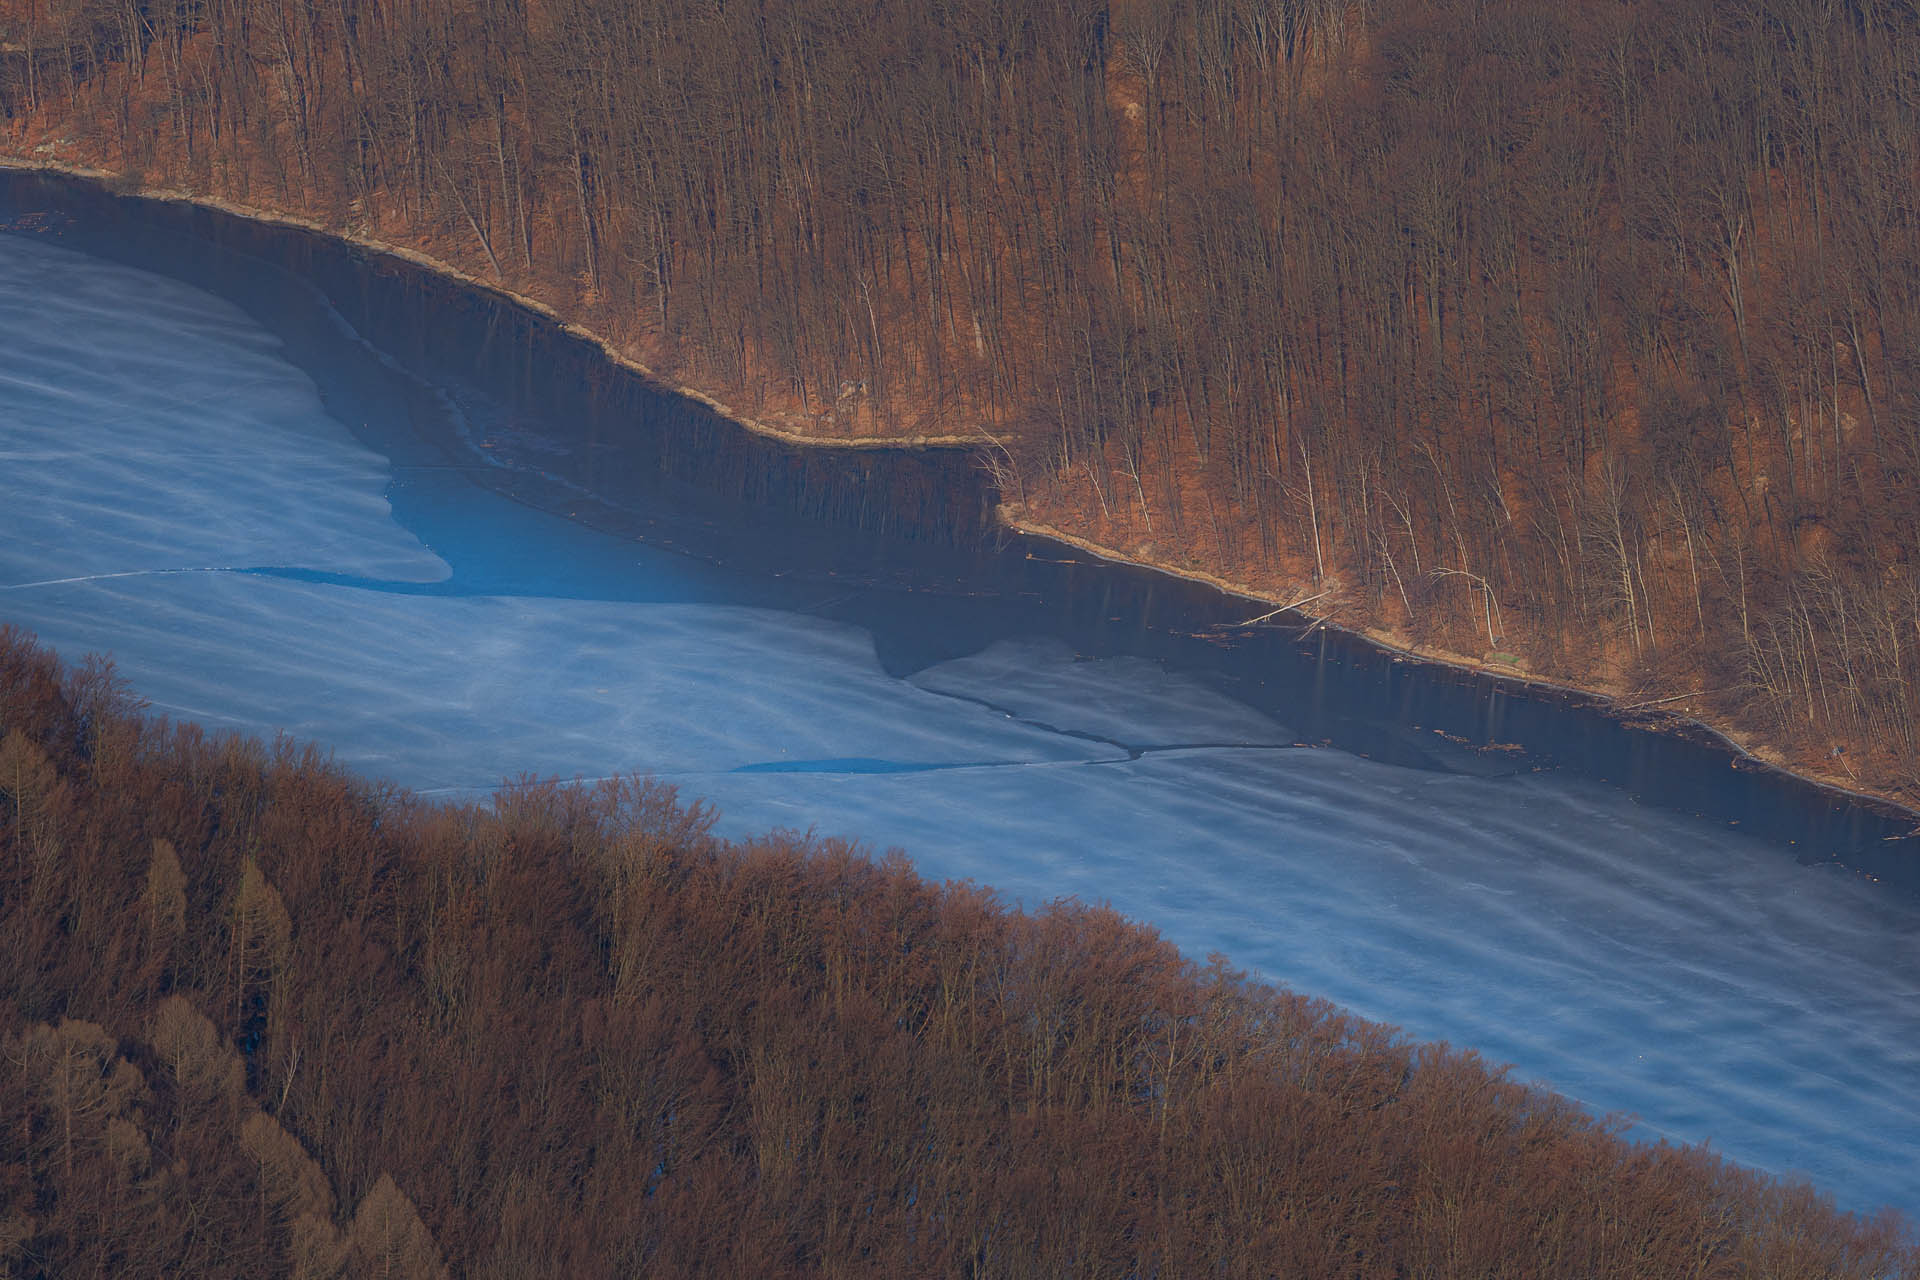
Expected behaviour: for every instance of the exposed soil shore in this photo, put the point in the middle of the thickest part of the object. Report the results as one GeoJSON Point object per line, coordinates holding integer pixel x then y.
{"type": "Point", "coordinates": [1655, 713]}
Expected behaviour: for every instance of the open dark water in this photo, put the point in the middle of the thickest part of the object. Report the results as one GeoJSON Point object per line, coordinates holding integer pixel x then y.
{"type": "Point", "coordinates": [291, 487]}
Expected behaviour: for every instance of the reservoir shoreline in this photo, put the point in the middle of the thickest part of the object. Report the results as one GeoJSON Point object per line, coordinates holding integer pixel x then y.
{"type": "Point", "coordinates": [1001, 518]}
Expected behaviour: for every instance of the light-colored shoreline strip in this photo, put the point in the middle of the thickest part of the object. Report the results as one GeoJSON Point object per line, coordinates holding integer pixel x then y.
{"type": "Point", "coordinates": [273, 217]}
{"type": "Point", "coordinates": [1615, 704]}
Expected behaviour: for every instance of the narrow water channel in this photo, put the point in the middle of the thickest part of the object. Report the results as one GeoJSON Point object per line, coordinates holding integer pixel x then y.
{"type": "Point", "coordinates": [392, 517]}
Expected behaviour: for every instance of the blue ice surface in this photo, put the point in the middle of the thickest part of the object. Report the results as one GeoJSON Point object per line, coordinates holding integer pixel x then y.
{"type": "Point", "coordinates": [174, 492]}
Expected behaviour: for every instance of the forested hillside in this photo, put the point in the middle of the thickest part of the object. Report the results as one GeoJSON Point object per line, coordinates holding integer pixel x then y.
{"type": "Point", "coordinates": [260, 1018]}
{"type": "Point", "coordinates": [1576, 333]}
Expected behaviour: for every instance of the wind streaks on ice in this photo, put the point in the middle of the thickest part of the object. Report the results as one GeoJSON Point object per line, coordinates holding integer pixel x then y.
{"type": "Point", "coordinates": [1635, 960]}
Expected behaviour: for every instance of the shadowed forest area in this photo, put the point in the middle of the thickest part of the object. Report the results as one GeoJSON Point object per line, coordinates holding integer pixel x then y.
{"type": "Point", "coordinates": [1577, 335]}
{"type": "Point", "coordinates": [260, 1017]}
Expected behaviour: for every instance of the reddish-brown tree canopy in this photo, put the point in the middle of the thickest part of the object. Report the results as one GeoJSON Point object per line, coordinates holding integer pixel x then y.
{"type": "Point", "coordinates": [259, 1017]}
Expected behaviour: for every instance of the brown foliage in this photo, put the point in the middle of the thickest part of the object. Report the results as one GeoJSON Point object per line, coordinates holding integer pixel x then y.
{"type": "Point", "coordinates": [573, 1033]}
{"type": "Point", "coordinates": [387, 1238]}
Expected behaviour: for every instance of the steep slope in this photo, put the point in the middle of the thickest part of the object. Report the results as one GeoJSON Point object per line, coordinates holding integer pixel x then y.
{"type": "Point", "coordinates": [261, 1018]}
{"type": "Point", "coordinates": [1565, 337]}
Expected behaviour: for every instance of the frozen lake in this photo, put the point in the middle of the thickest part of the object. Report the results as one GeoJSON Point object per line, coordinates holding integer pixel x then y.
{"type": "Point", "coordinates": [261, 549]}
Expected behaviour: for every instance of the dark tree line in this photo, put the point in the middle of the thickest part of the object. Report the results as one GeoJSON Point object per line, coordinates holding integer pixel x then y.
{"type": "Point", "coordinates": [258, 1017]}
{"type": "Point", "coordinates": [1580, 329]}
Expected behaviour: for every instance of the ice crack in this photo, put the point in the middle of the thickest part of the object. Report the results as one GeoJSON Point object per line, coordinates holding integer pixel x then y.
{"type": "Point", "coordinates": [1132, 751]}
{"type": "Point", "coordinates": [125, 573]}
